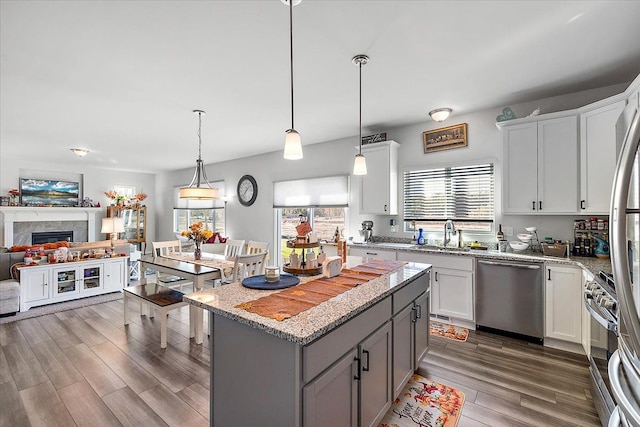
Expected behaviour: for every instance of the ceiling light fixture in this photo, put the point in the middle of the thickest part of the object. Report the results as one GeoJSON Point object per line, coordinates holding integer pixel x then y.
{"type": "Point", "coordinates": [440, 114]}
{"type": "Point", "coordinates": [292, 143]}
{"type": "Point", "coordinates": [80, 152]}
{"type": "Point", "coordinates": [360, 163]}
{"type": "Point", "coordinates": [200, 188]}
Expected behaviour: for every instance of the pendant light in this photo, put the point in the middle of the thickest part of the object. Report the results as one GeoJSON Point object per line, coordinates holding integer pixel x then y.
{"type": "Point", "coordinates": [292, 143]}
{"type": "Point", "coordinates": [360, 164]}
{"type": "Point", "coordinates": [200, 188]}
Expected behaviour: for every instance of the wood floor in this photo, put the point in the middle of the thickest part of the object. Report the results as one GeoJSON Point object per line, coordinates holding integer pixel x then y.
{"type": "Point", "coordinates": [83, 367]}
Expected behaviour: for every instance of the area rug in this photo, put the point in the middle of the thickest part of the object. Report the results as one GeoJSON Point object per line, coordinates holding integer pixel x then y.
{"type": "Point", "coordinates": [61, 306]}
{"type": "Point", "coordinates": [446, 330]}
{"type": "Point", "coordinates": [425, 403]}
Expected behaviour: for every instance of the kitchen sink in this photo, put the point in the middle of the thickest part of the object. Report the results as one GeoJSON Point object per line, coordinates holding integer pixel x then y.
{"type": "Point", "coordinates": [442, 248]}
{"type": "Point", "coordinates": [395, 245]}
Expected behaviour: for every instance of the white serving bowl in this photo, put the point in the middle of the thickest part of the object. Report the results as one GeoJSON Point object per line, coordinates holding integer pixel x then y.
{"type": "Point", "coordinates": [518, 246]}
{"type": "Point", "coordinates": [524, 237]}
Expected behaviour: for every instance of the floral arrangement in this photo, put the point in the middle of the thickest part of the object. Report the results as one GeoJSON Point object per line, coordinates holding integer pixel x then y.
{"type": "Point", "coordinates": [115, 196]}
{"type": "Point", "coordinates": [197, 233]}
{"type": "Point", "coordinates": [140, 196]}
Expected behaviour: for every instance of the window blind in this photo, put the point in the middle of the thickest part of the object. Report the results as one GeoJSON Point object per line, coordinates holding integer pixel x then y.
{"type": "Point", "coordinates": [459, 193]}
{"type": "Point", "coordinates": [331, 191]}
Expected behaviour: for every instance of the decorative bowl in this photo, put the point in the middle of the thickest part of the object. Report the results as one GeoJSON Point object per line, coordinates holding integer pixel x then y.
{"type": "Point", "coordinates": [524, 237]}
{"type": "Point", "coordinates": [518, 246]}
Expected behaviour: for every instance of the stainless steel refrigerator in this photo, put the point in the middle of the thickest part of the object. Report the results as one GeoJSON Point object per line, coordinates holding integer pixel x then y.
{"type": "Point", "coordinates": [624, 365]}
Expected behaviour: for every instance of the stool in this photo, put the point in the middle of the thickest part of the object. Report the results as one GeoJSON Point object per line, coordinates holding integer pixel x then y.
{"type": "Point", "coordinates": [9, 297]}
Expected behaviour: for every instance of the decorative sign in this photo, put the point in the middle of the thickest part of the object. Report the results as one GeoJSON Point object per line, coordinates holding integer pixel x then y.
{"type": "Point", "coordinates": [372, 139]}
{"type": "Point", "coordinates": [303, 229]}
{"type": "Point", "coordinates": [445, 138]}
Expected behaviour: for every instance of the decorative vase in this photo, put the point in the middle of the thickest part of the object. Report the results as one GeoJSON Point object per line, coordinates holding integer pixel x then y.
{"type": "Point", "coordinates": [197, 252]}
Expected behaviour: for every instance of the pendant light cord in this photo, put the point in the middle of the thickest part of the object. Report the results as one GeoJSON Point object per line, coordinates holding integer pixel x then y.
{"type": "Point", "coordinates": [291, 54]}
{"type": "Point", "coordinates": [199, 135]}
{"type": "Point", "coordinates": [360, 123]}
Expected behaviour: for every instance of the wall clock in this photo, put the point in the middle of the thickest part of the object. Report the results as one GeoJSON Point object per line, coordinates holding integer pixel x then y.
{"type": "Point", "coordinates": [247, 190]}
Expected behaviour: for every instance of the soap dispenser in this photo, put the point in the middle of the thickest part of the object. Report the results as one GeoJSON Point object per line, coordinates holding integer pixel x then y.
{"type": "Point", "coordinates": [421, 239]}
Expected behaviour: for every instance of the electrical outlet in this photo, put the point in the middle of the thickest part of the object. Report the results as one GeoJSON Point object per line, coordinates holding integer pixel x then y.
{"type": "Point", "coordinates": [508, 231]}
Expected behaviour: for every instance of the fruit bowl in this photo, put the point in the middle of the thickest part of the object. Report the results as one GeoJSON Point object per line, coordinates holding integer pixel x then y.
{"type": "Point", "coordinates": [524, 237]}
{"type": "Point", "coordinates": [518, 246]}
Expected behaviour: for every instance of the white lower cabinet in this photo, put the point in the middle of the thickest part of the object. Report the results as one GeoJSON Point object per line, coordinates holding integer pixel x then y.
{"type": "Point", "coordinates": [563, 303]}
{"type": "Point", "coordinates": [34, 287]}
{"type": "Point", "coordinates": [51, 283]}
{"type": "Point", "coordinates": [452, 292]}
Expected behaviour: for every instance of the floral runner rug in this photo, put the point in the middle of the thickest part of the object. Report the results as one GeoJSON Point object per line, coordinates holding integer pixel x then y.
{"type": "Point", "coordinates": [446, 330]}
{"type": "Point", "coordinates": [289, 302]}
{"type": "Point", "coordinates": [425, 403]}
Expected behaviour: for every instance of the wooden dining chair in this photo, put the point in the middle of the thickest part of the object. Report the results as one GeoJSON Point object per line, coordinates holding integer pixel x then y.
{"type": "Point", "coordinates": [245, 266]}
{"type": "Point", "coordinates": [167, 248]}
{"type": "Point", "coordinates": [233, 248]}
{"type": "Point", "coordinates": [254, 247]}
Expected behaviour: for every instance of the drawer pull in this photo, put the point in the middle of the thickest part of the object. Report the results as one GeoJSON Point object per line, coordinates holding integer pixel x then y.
{"type": "Point", "coordinates": [366, 367]}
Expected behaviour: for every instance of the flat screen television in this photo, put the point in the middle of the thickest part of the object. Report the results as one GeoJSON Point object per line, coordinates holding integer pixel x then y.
{"type": "Point", "coordinates": [36, 192]}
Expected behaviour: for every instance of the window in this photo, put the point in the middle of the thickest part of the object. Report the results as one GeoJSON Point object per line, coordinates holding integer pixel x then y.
{"type": "Point", "coordinates": [212, 219]}
{"type": "Point", "coordinates": [464, 194]}
{"type": "Point", "coordinates": [321, 201]}
{"type": "Point", "coordinates": [210, 212]}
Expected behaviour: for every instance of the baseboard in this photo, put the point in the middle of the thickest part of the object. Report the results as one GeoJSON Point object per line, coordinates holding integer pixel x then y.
{"type": "Point", "coordinates": [564, 345]}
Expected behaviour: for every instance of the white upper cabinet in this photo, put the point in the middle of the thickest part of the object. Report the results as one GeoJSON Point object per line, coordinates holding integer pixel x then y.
{"type": "Point", "coordinates": [598, 157]}
{"type": "Point", "coordinates": [379, 193]}
{"type": "Point", "coordinates": [540, 174]}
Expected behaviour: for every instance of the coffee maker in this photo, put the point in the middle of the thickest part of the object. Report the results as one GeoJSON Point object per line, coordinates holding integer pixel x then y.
{"type": "Point", "coordinates": [367, 231]}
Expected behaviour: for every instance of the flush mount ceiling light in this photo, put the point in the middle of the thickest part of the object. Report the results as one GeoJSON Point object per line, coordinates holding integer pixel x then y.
{"type": "Point", "coordinates": [360, 163]}
{"type": "Point", "coordinates": [440, 114]}
{"type": "Point", "coordinates": [292, 143]}
{"type": "Point", "coordinates": [200, 188]}
{"type": "Point", "coordinates": [80, 152]}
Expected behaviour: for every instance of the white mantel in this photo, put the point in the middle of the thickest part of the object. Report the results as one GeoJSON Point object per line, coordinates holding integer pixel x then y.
{"type": "Point", "coordinates": [12, 214]}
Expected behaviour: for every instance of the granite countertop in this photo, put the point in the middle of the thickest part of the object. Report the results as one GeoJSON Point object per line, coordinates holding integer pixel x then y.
{"type": "Point", "coordinates": [591, 264]}
{"type": "Point", "coordinates": [315, 322]}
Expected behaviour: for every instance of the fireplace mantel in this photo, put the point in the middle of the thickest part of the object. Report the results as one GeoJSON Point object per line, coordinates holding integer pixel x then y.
{"type": "Point", "coordinates": [12, 214]}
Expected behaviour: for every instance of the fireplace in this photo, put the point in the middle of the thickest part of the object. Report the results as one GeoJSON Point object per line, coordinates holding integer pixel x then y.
{"type": "Point", "coordinates": [51, 236]}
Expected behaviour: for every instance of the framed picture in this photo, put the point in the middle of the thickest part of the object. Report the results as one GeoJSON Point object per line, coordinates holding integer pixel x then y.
{"type": "Point", "coordinates": [445, 138]}
{"type": "Point", "coordinates": [37, 192]}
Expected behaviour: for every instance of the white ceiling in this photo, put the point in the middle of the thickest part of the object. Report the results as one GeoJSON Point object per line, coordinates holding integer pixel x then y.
{"type": "Point", "coordinates": [120, 78]}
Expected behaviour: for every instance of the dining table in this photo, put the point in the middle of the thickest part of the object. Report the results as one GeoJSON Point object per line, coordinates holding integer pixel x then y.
{"type": "Point", "coordinates": [184, 264]}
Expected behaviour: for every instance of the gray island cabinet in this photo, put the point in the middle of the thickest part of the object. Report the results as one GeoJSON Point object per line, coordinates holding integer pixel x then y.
{"type": "Point", "coordinates": [340, 363]}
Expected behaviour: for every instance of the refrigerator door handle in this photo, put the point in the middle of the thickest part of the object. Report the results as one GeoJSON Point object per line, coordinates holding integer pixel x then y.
{"type": "Point", "coordinates": [618, 216]}
{"type": "Point", "coordinates": [616, 387]}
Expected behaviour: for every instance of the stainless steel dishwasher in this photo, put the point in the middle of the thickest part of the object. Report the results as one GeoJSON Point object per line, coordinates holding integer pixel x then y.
{"type": "Point", "coordinates": [510, 297]}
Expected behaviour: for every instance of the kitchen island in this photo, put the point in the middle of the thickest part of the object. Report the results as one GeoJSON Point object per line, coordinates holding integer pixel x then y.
{"type": "Point", "coordinates": [339, 363]}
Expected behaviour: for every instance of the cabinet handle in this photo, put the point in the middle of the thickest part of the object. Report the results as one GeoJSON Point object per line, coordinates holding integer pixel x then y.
{"type": "Point", "coordinates": [357, 376]}
{"type": "Point", "coordinates": [533, 207]}
{"type": "Point", "coordinates": [436, 274]}
{"type": "Point", "coordinates": [385, 208]}
{"type": "Point", "coordinates": [418, 309]}
{"type": "Point", "coordinates": [582, 202]}
{"type": "Point", "coordinates": [366, 368]}
{"type": "Point", "coordinates": [540, 203]}
{"type": "Point", "coordinates": [414, 315]}
{"type": "Point", "coordinates": [549, 273]}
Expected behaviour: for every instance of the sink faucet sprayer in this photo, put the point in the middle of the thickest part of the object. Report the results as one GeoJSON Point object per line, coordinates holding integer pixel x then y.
{"type": "Point", "coordinates": [449, 229]}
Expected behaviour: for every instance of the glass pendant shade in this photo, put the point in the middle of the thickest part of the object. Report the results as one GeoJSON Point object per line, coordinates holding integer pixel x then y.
{"type": "Point", "coordinates": [360, 165]}
{"type": "Point", "coordinates": [292, 145]}
{"type": "Point", "coordinates": [440, 114]}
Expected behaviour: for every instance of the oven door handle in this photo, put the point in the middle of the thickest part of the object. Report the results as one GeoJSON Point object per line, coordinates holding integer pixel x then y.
{"type": "Point", "coordinates": [612, 326]}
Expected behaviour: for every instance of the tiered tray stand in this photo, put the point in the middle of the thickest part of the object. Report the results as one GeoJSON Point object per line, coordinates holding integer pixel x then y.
{"type": "Point", "coordinates": [307, 271]}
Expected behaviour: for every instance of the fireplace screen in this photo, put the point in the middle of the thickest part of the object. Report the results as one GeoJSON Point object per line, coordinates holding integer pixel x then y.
{"type": "Point", "coordinates": [51, 236]}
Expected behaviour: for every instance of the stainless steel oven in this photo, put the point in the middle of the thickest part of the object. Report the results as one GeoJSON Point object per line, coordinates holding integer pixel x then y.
{"type": "Point", "coordinates": [601, 303]}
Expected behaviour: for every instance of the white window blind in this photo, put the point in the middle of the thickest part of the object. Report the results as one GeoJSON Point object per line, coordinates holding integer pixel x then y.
{"type": "Point", "coordinates": [331, 191]}
{"type": "Point", "coordinates": [459, 193]}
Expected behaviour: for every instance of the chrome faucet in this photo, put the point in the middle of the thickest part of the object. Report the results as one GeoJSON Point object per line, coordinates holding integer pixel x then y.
{"type": "Point", "coordinates": [449, 230]}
